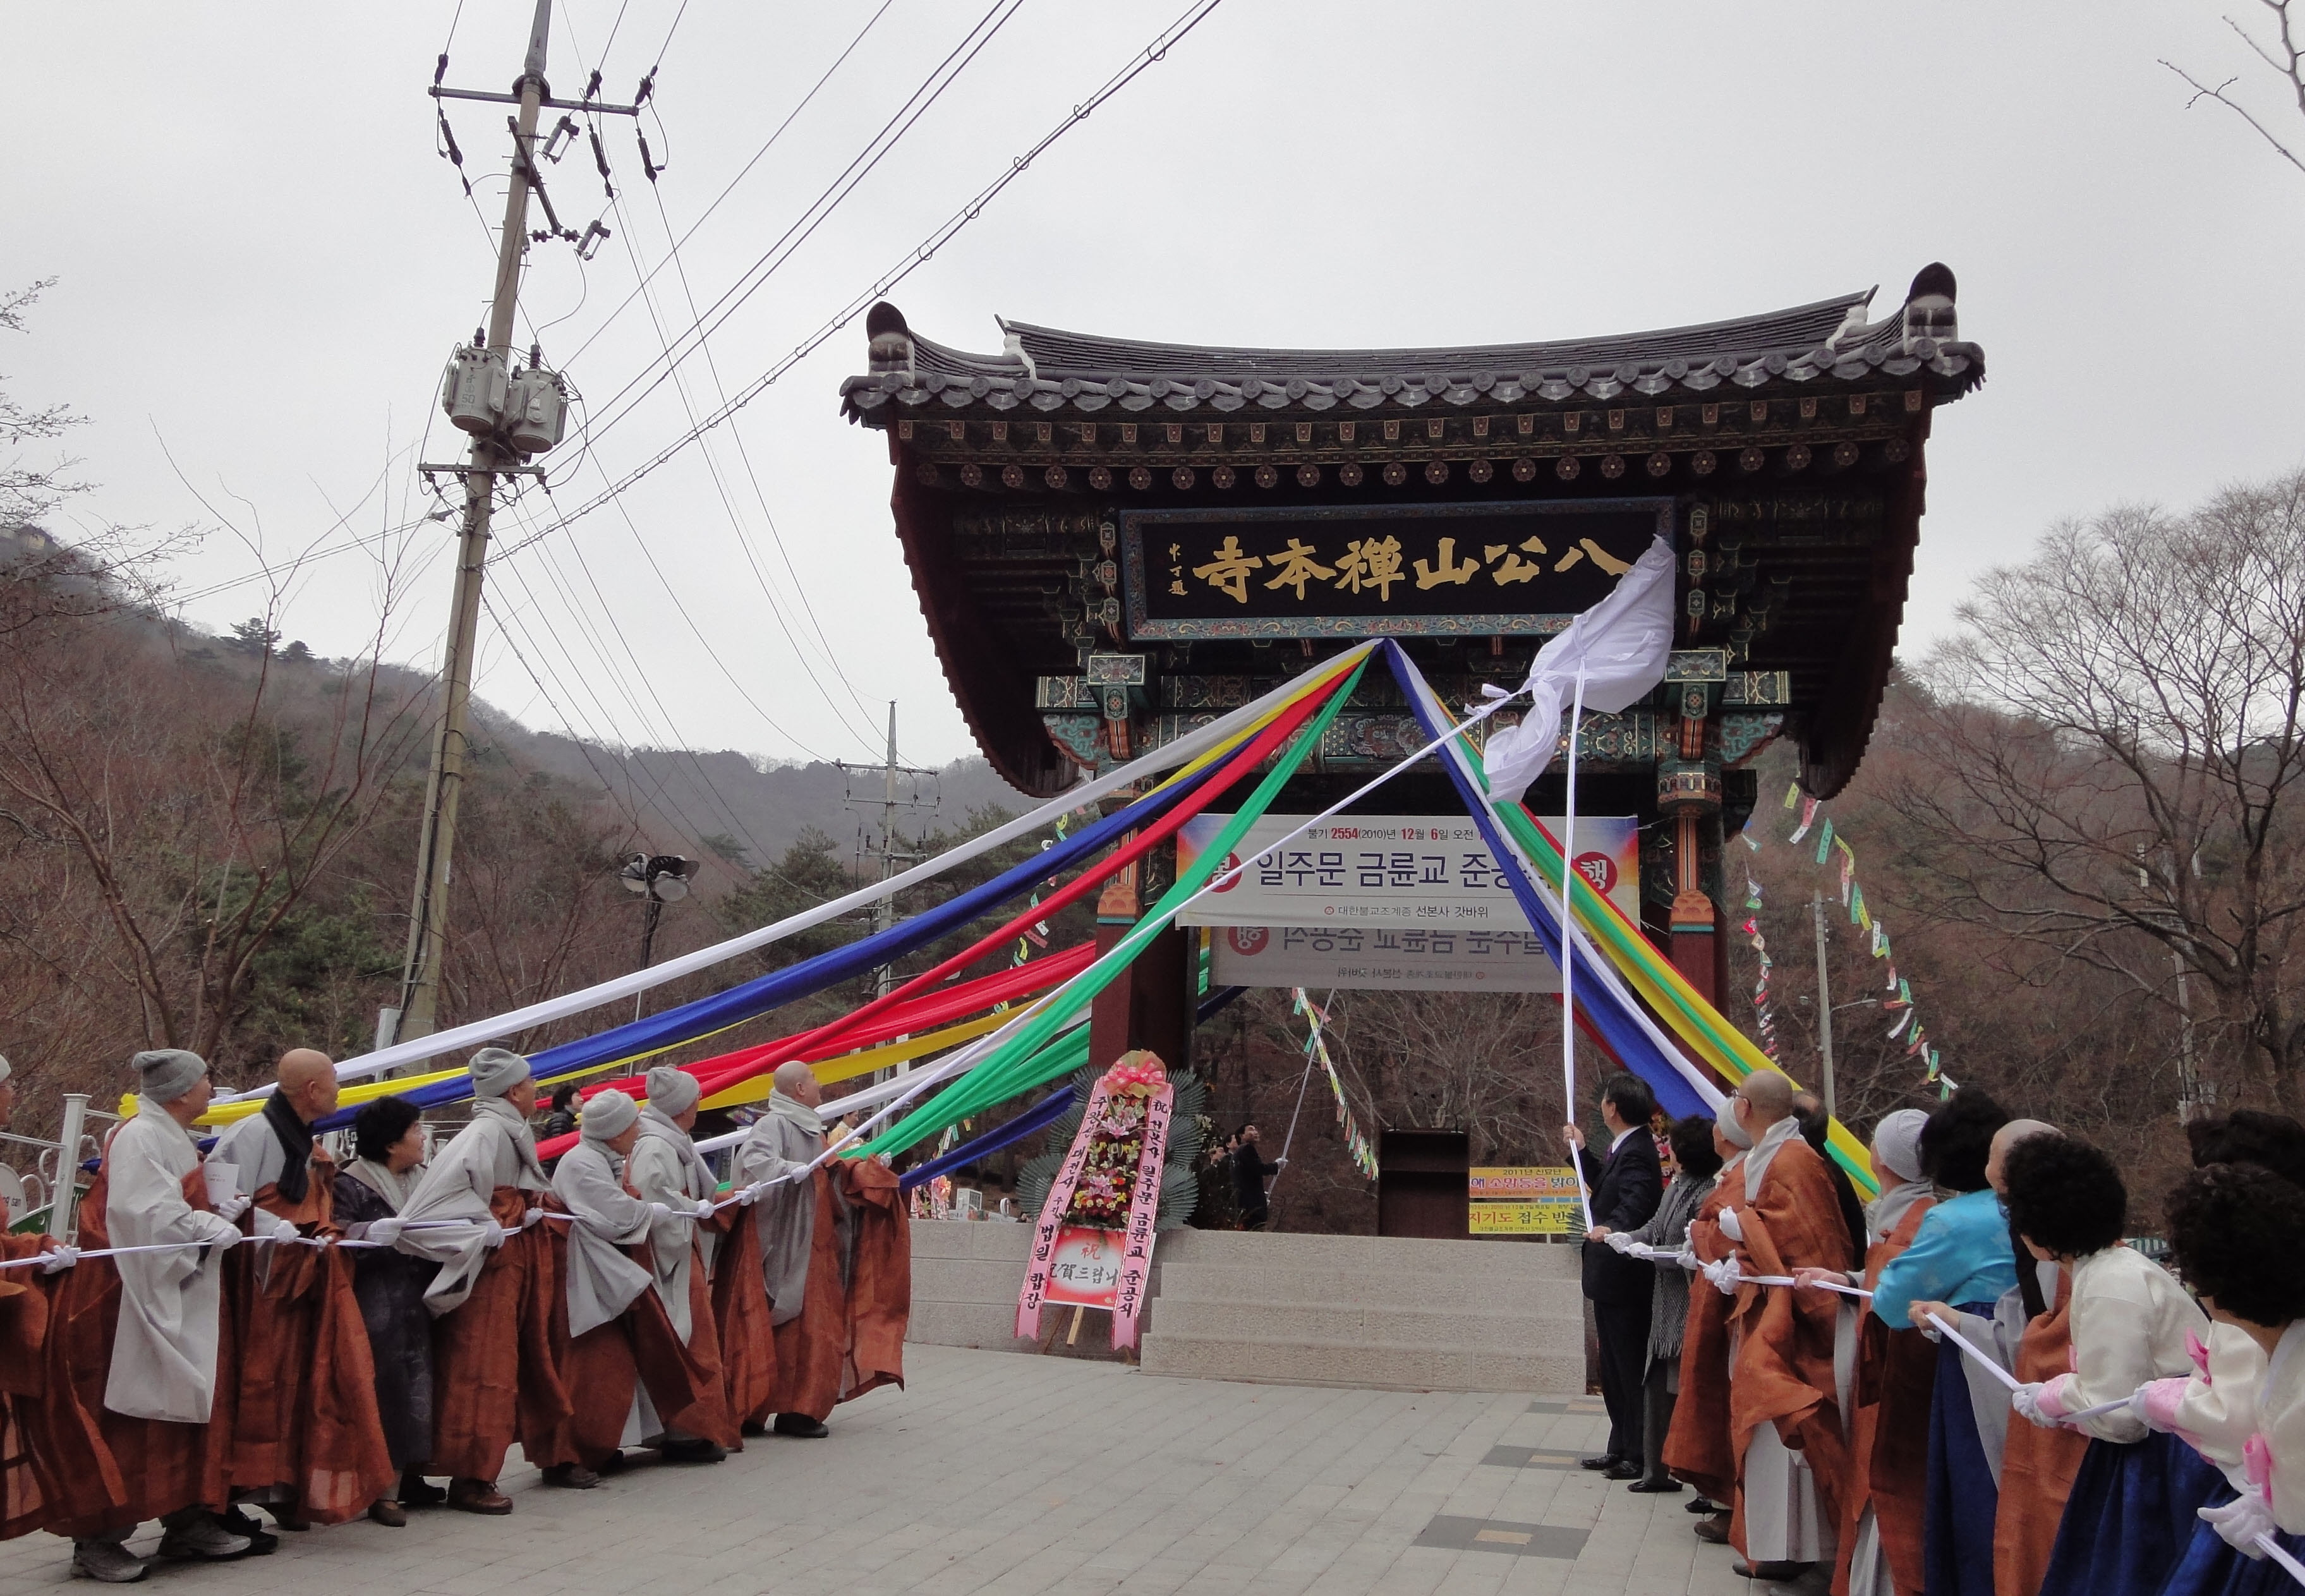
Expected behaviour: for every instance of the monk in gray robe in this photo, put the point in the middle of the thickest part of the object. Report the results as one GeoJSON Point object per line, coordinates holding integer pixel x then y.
{"type": "Point", "coordinates": [474, 1213]}
{"type": "Point", "coordinates": [168, 1361]}
{"type": "Point", "coordinates": [665, 1167]}
{"type": "Point", "coordinates": [622, 1365]}
{"type": "Point", "coordinates": [801, 1221]}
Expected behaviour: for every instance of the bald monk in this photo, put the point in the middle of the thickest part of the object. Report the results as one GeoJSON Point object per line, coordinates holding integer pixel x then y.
{"type": "Point", "coordinates": [1781, 1214]}
{"type": "Point", "coordinates": [308, 1444]}
{"type": "Point", "coordinates": [797, 1223]}
{"type": "Point", "coordinates": [474, 1213]}
{"type": "Point", "coordinates": [137, 1416]}
{"type": "Point", "coordinates": [665, 1167]}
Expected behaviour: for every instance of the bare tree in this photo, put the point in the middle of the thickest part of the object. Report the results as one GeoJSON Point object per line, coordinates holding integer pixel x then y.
{"type": "Point", "coordinates": [1487, 1063]}
{"type": "Point", "coordinates": [2282, 55]}
{"type": "Point", "coordinates": [29, 491]}
{"type": "Point", "coordinates": [2112, 758]}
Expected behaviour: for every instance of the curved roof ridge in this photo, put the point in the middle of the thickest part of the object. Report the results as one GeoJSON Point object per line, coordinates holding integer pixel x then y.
{"type": "Point", "coordinates": [1805, 326]}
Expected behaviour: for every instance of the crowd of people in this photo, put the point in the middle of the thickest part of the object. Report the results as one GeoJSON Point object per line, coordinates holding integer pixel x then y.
{"type": "Point", "coordinates": [1971, 1385]}
{"type": "Point", "coordinates": [252, 1327]}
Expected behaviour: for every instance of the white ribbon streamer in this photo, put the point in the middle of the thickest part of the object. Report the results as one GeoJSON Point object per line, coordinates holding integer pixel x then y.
{"type": "Point", "coordinates": [1164, 758]}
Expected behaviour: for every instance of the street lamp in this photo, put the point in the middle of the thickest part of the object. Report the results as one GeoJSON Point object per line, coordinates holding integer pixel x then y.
{"type": "Point", "coordinates": [661, 878]}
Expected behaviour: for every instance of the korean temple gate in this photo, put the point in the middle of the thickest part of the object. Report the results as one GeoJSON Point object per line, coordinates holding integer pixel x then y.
{"type": "Point", "coordinates": [1115, 541]}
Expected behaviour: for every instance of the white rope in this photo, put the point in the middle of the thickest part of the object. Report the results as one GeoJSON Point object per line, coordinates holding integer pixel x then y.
{"type": "Point", "coordinates": [1967, 1346]}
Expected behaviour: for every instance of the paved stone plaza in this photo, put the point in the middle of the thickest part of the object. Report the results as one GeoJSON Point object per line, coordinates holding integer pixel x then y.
{"type": "Point", "coordinates": [1014, 1475]}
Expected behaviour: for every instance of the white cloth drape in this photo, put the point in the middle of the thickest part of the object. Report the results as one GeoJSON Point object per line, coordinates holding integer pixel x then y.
{"type": "Point", "coordinates": [1620, 647]}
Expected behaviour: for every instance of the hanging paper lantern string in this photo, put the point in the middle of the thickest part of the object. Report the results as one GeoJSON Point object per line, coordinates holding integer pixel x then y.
{"type": "Point", "coordinates": [1364, 1153]}
{"type": "Point", "coordinates": [1907, 1025]}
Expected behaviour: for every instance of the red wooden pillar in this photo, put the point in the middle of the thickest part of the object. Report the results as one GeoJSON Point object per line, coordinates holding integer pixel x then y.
{"type": "Point", "coordinates": [1152, 1003]}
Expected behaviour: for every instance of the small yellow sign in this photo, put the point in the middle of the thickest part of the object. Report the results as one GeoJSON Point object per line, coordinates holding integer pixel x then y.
{"type": "Point", "coordinates": [1526, 1219]}
{"type": "Point", "coordinates": [1521, 1183]}
{"type": "Point", "coordinates": [1524, 1200]}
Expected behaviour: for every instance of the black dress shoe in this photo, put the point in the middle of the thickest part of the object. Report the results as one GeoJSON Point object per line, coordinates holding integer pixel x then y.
{"type": "Point", "coordinates": [801, 1425]}
{"type": "Point", "coordinates": [693, 1451]}
{"type": "Point", "coordinates": [238, 1521]}
{"type": "Point", "coordinates": [1702, 1504]}
{"type": "Point", "coordinates": [1624, 1469]}
{"type": "Point", "coordinates": [1647, 1486]}
{"type": "Point", "coordinates": [1607, 1460]}
{"type": "Point", "coordinates": [1772, 1572]}
{"type": "Point", "coordinates": [751, 1427]}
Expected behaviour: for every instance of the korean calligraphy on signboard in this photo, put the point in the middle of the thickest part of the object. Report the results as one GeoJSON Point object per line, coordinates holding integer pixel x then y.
{"type": "Point", "coordinates": [1355, 570]}
{"type": "Point", "coordinates": [1539, 1200]}
{"type": "Point", "coordinates": [1403, 902]}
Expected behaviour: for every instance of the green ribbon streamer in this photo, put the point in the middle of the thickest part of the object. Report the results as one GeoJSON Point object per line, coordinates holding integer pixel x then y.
{"type": "Point", "coordinates": [1026, 1060]}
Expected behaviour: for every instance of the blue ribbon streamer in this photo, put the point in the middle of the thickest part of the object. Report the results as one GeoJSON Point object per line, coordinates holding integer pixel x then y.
{"type": "Point", "coordinates": [757, 997]}
{"type": "Point", "coordinates": [1625, 1036]}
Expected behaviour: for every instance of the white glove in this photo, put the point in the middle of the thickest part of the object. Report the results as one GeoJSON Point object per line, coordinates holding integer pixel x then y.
{"type": "Point", "coordinates": [385, 1231]}
{"type": "Point", "coordinates": [1724, 1275]}
{"type": "Point", "coordinates": [704, 1207]}
{"type": "Point", "coordinates": [1731, 1226]}
{"type": "Point", "coordinates": [275, 1227]}
{"type": "Point", "coordinates": [2239, 1522]}
{"type": "Point", "coordinates": [492, 1234]}
{"type": "Point", "coordinates": [2025, 1399]}
{"type": "Point", "coordinates": [226, 1237]}
{"type": "Point", "coordinates": [1280, 1163]}
{"type": "Point", "coordinates": [1687, 1260]}
{"type": "Point", "coordinates": [57, 1260]}
{"type": "Point", "coordinates": [657, 1211]}
{"type": "Point", "coordinates": [531, 1219]}
{"type": "Point", "coordinates": [1619, 1241]}
{"type": "Point", "coordinates": [233, 1207]}
{"type": "Point", "coordinates": [750, 1195]}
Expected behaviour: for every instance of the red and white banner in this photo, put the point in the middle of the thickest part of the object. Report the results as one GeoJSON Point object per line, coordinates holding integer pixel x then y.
{"type": "Point", "coordinates": [1144, 1208]}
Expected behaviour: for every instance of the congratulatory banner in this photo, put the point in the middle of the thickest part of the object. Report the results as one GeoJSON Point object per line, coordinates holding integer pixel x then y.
{"type": "Point", "coordinates": [1409, 902]}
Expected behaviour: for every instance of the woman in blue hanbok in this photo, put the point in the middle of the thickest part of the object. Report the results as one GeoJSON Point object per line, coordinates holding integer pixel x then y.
{"type": "Point", "coordinates": [1961, 1256]}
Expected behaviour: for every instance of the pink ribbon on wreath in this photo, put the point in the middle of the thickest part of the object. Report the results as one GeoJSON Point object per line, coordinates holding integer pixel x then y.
{"type": "Point", "coordinates": [1060, 1202]}
{"type": "Point", "coordinates": [1143, 1211]}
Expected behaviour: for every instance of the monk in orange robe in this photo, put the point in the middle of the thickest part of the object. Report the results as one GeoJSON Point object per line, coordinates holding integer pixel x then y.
{"type": "Point", "coordinates": [307, 1441]}
{"type": "Point", "coordinates": [1782, 1215]}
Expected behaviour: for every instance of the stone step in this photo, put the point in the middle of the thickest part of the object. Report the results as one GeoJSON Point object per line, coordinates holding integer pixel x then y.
{"type": "Point", "coordinates": [1369, 1365]}
{"type": "Point", "coordinates": [1490, 1292]}
{"type": "Point", "coordinates": [1338, 1322]}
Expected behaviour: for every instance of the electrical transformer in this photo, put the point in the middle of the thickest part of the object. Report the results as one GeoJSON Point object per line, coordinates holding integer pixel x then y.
{"type": "Point", "coordinates": [472, 390]}
{"type": "Point", "coordinates": [536, 410]}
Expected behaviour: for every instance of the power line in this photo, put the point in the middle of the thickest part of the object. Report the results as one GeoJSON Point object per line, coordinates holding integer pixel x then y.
{"type": "Point", "coordinates": [920, 256]}
{"type": "Point", "coordinates": [744, 455]}
{"type": "Point", "coordinates": [741, 173]}
{"type": "Point", "coordinates": [875, 149]}
{"type": "Point", "coordinates": [736, 521]}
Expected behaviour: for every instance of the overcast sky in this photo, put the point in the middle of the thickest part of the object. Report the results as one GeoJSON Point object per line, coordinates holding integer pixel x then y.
{"type": "Point", "coordinates": [262, 265]}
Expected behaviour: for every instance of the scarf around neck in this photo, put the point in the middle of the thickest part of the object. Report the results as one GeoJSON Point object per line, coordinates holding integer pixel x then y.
{"type": "Point", "coordinates": [380, 1179]}
{"type": "Point", "coordinates": [295, 1139]}
{"type": "Point", "coordinates": [1764, 1153]}
{"type": "Point", "coordinates": [524, 1138]}
{"type": "Point", "coordinates": [796, 1112]}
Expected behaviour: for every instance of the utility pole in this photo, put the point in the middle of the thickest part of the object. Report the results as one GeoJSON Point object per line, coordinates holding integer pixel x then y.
{"type": "Point", "coordinates": [1824, 1005]}
{"type": "Point", "coordinates": [427, 930]}
{"type": "Point", "coordinates": [884, 910]}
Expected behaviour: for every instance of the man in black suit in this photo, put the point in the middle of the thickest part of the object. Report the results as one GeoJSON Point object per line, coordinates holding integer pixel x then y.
{"type": "Point", "coordinates": [1626, 1187]}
